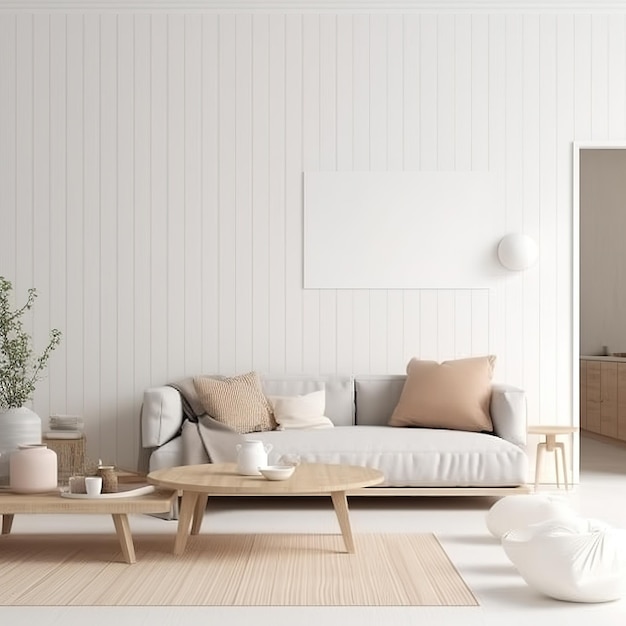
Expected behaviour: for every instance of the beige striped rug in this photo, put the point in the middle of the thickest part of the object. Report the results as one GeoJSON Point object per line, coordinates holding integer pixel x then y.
{"type": "Point", "coordinates": [230, 570]}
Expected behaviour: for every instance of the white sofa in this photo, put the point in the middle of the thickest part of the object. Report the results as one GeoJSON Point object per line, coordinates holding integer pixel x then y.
{"type": "Point", "coordinates": [414, 461]}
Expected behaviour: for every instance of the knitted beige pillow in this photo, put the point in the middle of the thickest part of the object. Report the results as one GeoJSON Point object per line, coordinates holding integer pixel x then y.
{"type": "Point", "coordinates": [452, 394]}
{"type": "Point", "coordinates": [237, 402]}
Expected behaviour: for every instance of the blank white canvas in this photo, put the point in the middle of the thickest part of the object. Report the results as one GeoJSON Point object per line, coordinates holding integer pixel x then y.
{"type": "Point", "coordinates": [401, 230]}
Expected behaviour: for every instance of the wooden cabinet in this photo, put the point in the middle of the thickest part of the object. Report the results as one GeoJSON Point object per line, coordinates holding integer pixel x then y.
{"type": "Point", "coordinates": [603, 397]}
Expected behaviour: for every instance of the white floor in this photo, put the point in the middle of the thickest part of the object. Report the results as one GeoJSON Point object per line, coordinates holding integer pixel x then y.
{"type": "Point", "coordinates": [458, 522]}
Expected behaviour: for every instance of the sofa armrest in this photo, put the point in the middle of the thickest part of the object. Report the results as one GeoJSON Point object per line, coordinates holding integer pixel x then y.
{"type": "Point", "coordinates": [161, 415]}
{"type": "Point", "coordinates": [508, 413]}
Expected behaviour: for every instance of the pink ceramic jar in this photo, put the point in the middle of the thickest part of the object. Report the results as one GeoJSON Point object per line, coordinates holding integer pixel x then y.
{"type": "Point", "coordinates": [33, 469]}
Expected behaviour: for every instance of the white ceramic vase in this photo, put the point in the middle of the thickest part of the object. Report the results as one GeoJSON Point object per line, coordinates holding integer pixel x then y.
{"type": "Point", "coordinates": [33, 469]}
{"type": "Point", "coordinates": [17, 426]}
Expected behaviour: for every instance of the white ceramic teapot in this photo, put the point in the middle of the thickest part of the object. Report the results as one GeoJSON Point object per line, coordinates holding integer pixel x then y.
{"type": "Point", "coordinates": [251, 455]}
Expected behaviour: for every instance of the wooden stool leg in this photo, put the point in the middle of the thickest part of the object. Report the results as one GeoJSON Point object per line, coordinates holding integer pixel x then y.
{"type": "Point", "coordinates": [561, 448]}
{"type": "Point", "coordinates": [556, 467]}
{"type": "Point", "coordinates": [541, 450]}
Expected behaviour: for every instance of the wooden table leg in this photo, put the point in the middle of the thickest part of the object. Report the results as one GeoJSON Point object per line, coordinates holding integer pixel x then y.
{"type": "Point", "coordinates": [7, 522]}
{"type": "Point", "coordinates": [541, 450]}
{"type": "Point", "coordinates": [561, 447]}
{"type": "Point", "coordinates": [198, 514]}
{"type": "Point", "coordinates": [340, 502]}
{"type": "Point", "coordinates": [122, 528]}
{"type": "Point", "coordinates": [185, 516]}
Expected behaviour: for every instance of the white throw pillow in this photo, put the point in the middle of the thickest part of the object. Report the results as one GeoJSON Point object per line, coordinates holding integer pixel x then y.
{"type": "Point", "coordinates": [307, 411]}
{"type": "Point", "coordinates": [576, 560]}
{"type": "Point", "coordinates": [519, 511]}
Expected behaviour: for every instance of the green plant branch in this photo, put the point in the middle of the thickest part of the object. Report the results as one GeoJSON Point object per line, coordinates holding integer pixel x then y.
{"type": "Point", "coordinates": [20, 370]}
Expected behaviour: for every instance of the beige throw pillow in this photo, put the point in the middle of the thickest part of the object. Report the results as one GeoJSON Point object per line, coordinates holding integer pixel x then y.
{"type": "Point", "coordinates": [238, 402]}
{"type": "Point", "coordinates": [300, 412]}
{"type": "Point", "coordinates": [452, 394]}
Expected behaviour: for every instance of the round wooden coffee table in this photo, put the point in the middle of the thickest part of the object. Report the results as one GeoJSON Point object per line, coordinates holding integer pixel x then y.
{"type": "Point", "coordinates": [197, 482]}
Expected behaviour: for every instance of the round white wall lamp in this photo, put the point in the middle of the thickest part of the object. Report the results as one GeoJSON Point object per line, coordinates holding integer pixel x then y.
{"type": "Point", "coordinates": [517, 251]}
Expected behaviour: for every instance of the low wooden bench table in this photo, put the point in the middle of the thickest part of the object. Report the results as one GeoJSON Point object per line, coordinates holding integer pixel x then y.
{"type": "Point", "coordinates": [159, 501]}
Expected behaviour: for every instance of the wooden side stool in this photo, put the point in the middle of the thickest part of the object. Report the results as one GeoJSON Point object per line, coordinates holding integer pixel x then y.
{"type": "Point", "coordinates": [550, 444]}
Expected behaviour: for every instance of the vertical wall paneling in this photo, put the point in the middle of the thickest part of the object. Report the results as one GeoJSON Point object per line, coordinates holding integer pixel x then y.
{"type": "Point", "coordinates": [261, 192]}
{"type": "Point", "coordinates": [530, 201]}
{"type": "Point", "coordinates": [91, 235]}
{"type": "Point", "coordinates": [24, 99]}
{"type": "Point", "coordinates": [480, 55]}
{"type": "Point", "coordinates": [429, 325]}
{"type": "Point", "coordinates": [141, 207]}
{"type": "Point", "coordinates": [361, 131]}
{"type": "Point", "coordinates": [8, 139]}
{"type": "Point", "coordinates": [394, 152]}
{"type": "Point", "coordinates": [378, 160]}
{"type": "Point", "coordinates": [158, 198]}
{"type": "Point", "coordinates": [599, 76]}
{"type": "Point", "coordinates": [209, 190]}
{"type": "Point", "coordinates": [446, 325]}
{"type": "Point", "coordinates": [548, 125]}
{"type": "Point", "coordinates": [127, 443]}
{"type": "Point", "coordinates": [227, 296]}
{"type": "Point", "coordinates": [394, 92]}
{"type": "Point", "coordinates": [428, 91]}
{"type": "Point", "coordinates": [294, 330]}
{"type": "Point", "coordinates": [462, 98]}
{"type": "Point", "coordinates": [109, 251]}
{"type": "Point", "coordinates": [480, 317]}
{"type": "Point", "coordinates": [446, 87]}
{"type": "Point", "coordinates": [497, 106]}
{"type": "Point", "coordinates": [514, 185]}
{"type": "Point", "coordinates": [328, 161]}
{"type": "Point", "coordinates": [40, 215]}
{"type": "Point", "coordinates": [151, 189]}
{"type": "Point", "coordinates": [57, 260]}
{"type": "Point", "coordinates": [310, 161]}
{"type": "Point", "coordinates": [411, 115]}
{"type": "Point", "coordinates": [243, 195]}
{"type": "Point", "coordinates": [277, 204]}
{"type": "Point", "coordinates": [175, 195]}
{"type": "Point", "coordinates": [192, 185]}
{"type": "Point", "coordinates": [462, 347]}
{"type": "Point", "coordinates": [75, 254]}
{"type": "Point", "coordinates": [616, 87]}
{"type": "Point", "coordinates": [569, 65]}
{"type": "Point", "coordinates": [344, 159]}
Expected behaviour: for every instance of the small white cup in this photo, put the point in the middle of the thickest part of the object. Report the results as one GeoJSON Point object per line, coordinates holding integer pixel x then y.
{"type": "Point", "coordinates": [93, 485]}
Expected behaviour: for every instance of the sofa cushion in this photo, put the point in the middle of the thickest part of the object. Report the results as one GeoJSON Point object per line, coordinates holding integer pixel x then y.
{"type": "Point", "coordinates": [238, 402]}
{"type": "Point", "coordinates": [339, 393]}
{"type": "Point", "coordinates": [408, 457]}
{"type": "Point", "coordinates": [302, 411]}
{"type": "Point", "coordinates": [452, 394]}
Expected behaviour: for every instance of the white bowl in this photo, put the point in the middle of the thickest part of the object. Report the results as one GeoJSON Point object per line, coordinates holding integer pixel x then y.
{"type": "Point", "coordinates": [277, 472]}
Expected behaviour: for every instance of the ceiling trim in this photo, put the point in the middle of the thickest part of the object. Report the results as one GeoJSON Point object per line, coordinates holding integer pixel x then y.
{"type": "Point", "coordinates": [318, 6]}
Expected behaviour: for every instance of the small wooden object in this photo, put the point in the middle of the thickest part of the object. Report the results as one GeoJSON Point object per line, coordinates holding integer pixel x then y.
{"type": "Point", "coordinates": [70, 456]}
{"type": "Point", "coordinates": [109, 478]}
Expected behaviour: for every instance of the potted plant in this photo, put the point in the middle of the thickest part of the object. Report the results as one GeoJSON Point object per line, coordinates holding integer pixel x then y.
{"type": "Point", "coordinates": [20, 370]}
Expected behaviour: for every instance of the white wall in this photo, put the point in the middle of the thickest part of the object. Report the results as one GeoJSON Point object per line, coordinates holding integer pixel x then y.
{"type": "Point", "coordinates": [151, 189]}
